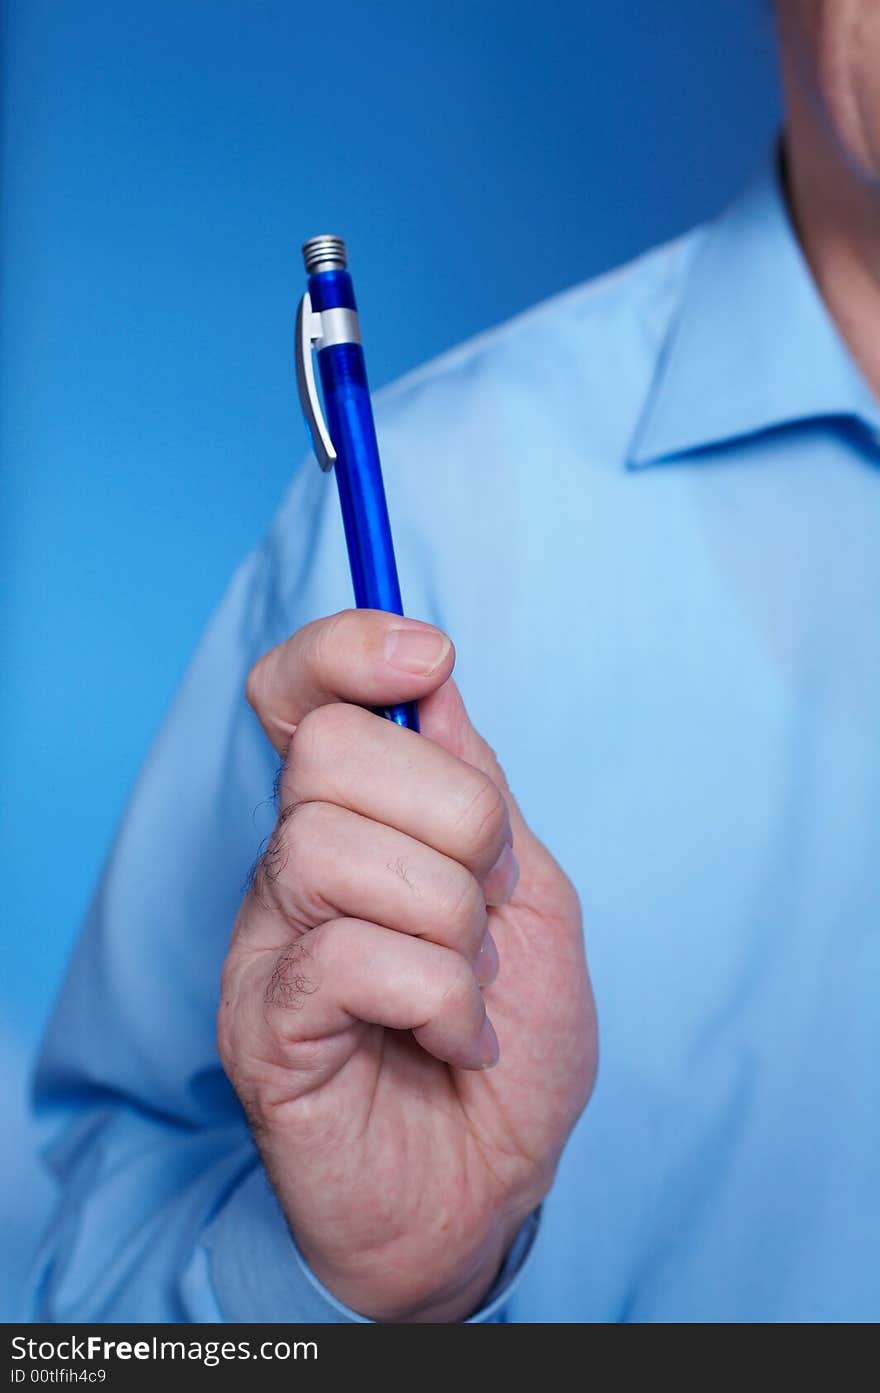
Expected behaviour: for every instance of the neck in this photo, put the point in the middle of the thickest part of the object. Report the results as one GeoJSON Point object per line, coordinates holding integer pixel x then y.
{"type": "Point", "coordinates": [836, 211]}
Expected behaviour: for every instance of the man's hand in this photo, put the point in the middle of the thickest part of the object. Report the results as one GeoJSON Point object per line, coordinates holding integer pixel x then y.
{"type": "Point", "coordinates": [409, 1026]}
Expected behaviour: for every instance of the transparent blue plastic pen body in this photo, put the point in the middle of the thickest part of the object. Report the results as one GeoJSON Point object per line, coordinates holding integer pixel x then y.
{"type": "Point", "coordinates": [346, 440]}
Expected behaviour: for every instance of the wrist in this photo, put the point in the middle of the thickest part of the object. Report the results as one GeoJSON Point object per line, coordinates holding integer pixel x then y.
{"type": "Point", "coordinates": [399, 1286]}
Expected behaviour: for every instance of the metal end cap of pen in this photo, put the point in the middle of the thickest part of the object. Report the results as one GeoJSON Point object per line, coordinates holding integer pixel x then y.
{"type": "Point", "coordinates": [324, 254]}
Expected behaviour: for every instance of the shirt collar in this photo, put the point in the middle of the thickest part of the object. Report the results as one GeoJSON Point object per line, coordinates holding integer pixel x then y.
{"type": "Point", "coordinates": [753, 346]}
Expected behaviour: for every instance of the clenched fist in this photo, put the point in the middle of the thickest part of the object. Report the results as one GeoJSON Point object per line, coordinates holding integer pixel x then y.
{"type": "Point", "coordinates": [406, 1013]}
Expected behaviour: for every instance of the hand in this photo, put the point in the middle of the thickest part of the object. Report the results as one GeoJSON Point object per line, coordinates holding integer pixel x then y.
{"type": "Point", "coordinates": [409, 1027]}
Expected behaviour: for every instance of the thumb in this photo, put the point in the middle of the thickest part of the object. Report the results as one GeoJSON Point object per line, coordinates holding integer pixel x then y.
{"type": "Point", "coordinates": [362, 656]}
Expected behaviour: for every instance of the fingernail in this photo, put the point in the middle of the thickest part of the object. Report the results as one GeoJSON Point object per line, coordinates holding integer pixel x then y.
{"type": "Point", "coordinates": [488, 1045]}
{"type": "Point", "coordinates": [486, 964]}
{"type": "Point", "coordinates": [416, 651]}
{"type": "Point", "coordinates": [501, 881]}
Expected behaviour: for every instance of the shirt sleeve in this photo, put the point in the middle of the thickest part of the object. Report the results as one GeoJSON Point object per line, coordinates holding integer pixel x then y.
{"type": "Point", "coordinates": [165, 1212]}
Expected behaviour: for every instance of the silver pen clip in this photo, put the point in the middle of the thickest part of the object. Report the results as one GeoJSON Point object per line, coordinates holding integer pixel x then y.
{"type": "Point", "coordinates": [308, 335]}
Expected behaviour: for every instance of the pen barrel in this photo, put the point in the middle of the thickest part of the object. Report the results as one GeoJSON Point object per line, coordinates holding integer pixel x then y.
{"type": "Point", "coordinates": [358, 472]}
{"type": "Point", "coordinates": [349, 415]}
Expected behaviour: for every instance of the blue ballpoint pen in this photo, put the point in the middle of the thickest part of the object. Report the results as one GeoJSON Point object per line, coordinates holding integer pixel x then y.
{"type": "Point", "coordinates": [327, 321]}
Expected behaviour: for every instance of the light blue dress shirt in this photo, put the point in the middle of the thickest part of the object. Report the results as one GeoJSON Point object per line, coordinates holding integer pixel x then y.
{"type": "Point", "coordinates": [648, 512]}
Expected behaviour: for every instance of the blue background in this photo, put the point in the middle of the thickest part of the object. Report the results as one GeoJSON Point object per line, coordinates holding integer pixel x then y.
{"type": "Point", "coordinates": [162, 162]}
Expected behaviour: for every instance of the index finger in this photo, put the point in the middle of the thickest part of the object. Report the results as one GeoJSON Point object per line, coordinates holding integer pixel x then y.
{"type": "Point", "coordinates": [363, 656]}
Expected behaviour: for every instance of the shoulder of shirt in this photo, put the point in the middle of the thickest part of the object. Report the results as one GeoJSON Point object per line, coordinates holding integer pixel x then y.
{"type": "Point", "coordinates": [633, 305]}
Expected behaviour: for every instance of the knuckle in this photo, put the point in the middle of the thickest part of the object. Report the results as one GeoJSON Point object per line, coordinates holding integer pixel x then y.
{"type": "Point", "coordinates": [333, 939]}
{"type": "Point", "coordinates": [462, 909]}
{"type": "Point", "coordinates": [284, 857]}
{"type": "Point", "coordinates": [483, 822]}
{"type": "Point", "coordinates": [302, 827]}
{"type": "Point", "coordinates": [321, 736]}
{"type": "Point", "coordinates": [458, 992]}
{"type": "Point", "coordinates": [255, 683]}
{"type": "Point", "coordinates": [284, 874]}
{"type": "Point", "coordinates": [291, 981]}
{"type": "Point", "coordinates": [271, 865]}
